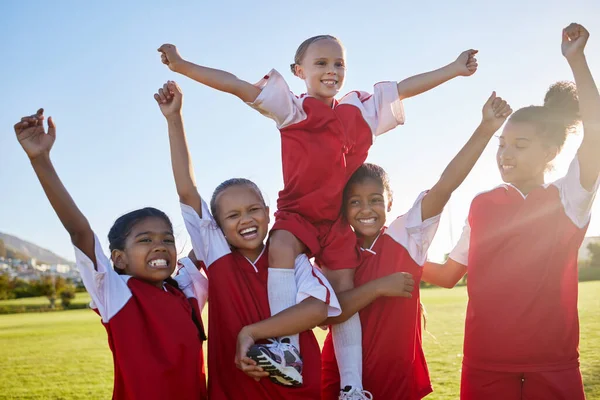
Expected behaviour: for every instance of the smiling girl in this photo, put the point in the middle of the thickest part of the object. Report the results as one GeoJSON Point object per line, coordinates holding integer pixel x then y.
{"type": "Point", "coordinates": [323, 141]}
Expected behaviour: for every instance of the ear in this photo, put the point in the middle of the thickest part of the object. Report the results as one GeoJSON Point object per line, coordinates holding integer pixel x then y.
{"type": "Point", "coordinates": [119, 259]}
{"type": "Point", "coordinates": [268, 214]}
{"type": "Point", "coordinates": [389, 205]}
{"type": "Point", "coordinates": [299, 71]}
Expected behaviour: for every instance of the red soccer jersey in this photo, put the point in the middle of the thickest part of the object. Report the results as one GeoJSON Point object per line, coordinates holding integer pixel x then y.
{"type": "Point", "coordinates": [238, 297]}
{"type": "Point", "coordinates": [394, 366]}
{"type": "Point", "coordinates": [322, 146]}
{"type": "Point", "coordinates": [521, 255]}
{"type": "Point", "coordinates": [156, 346]}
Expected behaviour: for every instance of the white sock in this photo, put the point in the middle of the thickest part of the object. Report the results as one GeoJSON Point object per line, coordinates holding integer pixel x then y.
{"type": "Point", "coordinates": [347, 343]}
{"type": "Point", "coordinates": [281, 288]}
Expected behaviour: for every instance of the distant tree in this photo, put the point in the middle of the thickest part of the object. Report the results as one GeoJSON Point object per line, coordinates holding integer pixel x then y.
{"type": "Point", "coordinates": [6, 287]}
{"type": "Point", "coordinates": [67, 294]}
{"type": "Point", "coordinates": [2, 249]}
{"type": "Point", "coordinates": [594, 249]}
{"type": "Point", "coordinates": [50, 286]}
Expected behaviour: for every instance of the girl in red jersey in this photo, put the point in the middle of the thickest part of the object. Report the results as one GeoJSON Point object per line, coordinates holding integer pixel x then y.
{"type": "Point", "coordinates": [154, 331]}
{"type": "Point", "coordinates": [323, 142]}
{"type": "Point", "coordinates": [394, 366]}
{"type": "Point", "coordinates": [231, 248]}
{"type": "Point", "coordinates": [520, 246]}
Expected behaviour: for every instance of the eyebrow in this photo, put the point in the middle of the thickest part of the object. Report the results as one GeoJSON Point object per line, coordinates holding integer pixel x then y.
{"type": "Point", "coordinates": [149, 233]}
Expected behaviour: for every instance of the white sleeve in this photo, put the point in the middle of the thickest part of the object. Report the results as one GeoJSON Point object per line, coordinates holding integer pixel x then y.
{"type": "Point", "coordinates": [414, 234]}
{"type": "Point", "coordinates": [576, 200]}
{"type": "Point", "coordinates": [276, 101]}
{"type": "Point", "coordinates": [108, 290]}
{"type": "Point", "coordinates": [382, 110]}
{"type": "Point", "coordinates": [460, 253]}
{"type": "Point", "coordinates": [208, 241]}
{"type": "Point", "coordinates": [192, 282]}
{"type": "Point", "coordinates": [311, 282]}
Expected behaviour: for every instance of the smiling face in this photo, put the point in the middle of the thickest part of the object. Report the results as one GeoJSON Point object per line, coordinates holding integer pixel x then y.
{"type": "Point", "coordinates": [365, 208]}
{"type": "Point", "coordinates": [522, 156]}
{"type": "Point", "coordinates": [243, 218]}
{"type": "Point", "coordinates": [149, 253]}
{"type": "Point", "coordinates": [323, 69]}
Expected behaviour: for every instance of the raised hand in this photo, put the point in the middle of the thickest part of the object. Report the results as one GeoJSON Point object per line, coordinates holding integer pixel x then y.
{"type": "Point", "coordinates": [169, 99]}
{"type": "Point", "coordinates": [574, 38]}
{"type": "Point", "coordinates": [397, 284]}
{"type": "Point", "coordinates": [170, 56]}
{"type": "Point", "coordinates": [495, 112]}
{"type": "Point", "coordinates": [33, 137]}
{"type": "Point", "coordinates": [466, 63]}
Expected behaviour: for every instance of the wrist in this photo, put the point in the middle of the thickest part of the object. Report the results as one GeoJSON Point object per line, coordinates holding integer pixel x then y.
{"type": "Point", "coordinates": [174, 117]}
{"type": "Point", "coordinates": [248, 331]}
{"type": "Point", "coordinates": [41, 159]}
{"type": "Point", "coordinates": [179, 66]}
{"type": "Point", "coordinates": [453, 69]}
{"type": "Point", "coordinates": [379, 287]}
{"type": "Point", "coordinates": [576, 59]}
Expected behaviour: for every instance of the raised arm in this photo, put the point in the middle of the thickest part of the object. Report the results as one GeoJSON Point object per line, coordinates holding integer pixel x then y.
{"type": "Point", "coordinates": [464, 65]}
{"type": "Point", "coordinates": [574, 39]}
{"type": "Point", "coordinates": [170, 99]}
{"type": "Point", "coordinates": [37, 145]}
{"type": "Point", "coordinates": [214, 78]}
{"type": "Point", "coordinates": [495, 111]}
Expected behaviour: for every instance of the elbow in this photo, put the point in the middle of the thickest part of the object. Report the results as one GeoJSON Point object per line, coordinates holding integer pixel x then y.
{"type": "Point", "coordinates": [319, 314]}
{"type": "Point", "coordinates": [188, 197]}
{"type": "Point", "coordinates": [449, 285]}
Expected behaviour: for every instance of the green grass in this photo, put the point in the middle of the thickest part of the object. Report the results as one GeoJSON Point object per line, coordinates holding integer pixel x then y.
{"type": "Point", "coordinates": [64, 355]}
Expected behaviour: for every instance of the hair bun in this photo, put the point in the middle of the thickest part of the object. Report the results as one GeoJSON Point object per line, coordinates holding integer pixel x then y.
{"type": "Point", "coordinates": [563, 104]}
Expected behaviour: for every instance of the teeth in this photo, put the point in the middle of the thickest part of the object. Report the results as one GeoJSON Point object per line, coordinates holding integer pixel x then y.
{"type": "Point", "coordinates": [507, 167]}
{"type": "Point", "coordinates": [367, 221]}
{"type": "Point", "coordinates": [248, 230]}
{"type": "Point", "coordinates": [329, 82]}
{"type": "Point", "coordinates": [158, 263]}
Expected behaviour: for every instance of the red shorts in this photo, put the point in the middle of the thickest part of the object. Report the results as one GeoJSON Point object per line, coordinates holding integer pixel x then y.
{"type": "Point", "coordinates": [477, 384]}
{"type": "Point", "coordinates": [333, 244]}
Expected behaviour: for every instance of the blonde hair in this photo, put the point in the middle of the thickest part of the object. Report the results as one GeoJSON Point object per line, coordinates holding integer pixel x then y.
{"type": "Point", "coordinates": [305, 45]}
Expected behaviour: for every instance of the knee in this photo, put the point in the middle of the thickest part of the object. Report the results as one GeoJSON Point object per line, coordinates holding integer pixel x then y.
{"type": "Point", "coordinates": [283, 249]}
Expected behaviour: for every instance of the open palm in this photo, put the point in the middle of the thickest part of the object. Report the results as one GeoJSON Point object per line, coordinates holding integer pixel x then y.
{"type": "Point", "coordinates": [33, 137]}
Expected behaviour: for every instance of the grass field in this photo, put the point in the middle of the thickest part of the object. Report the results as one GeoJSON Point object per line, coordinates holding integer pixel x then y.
{"type": "Point", "coordinates": [64, 355]}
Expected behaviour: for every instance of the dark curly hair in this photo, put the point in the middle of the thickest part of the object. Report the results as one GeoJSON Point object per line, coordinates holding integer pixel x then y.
{"type": "Point", "coordinates": [558, 117]}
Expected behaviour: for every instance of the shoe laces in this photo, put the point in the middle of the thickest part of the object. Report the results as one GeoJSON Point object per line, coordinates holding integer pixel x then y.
{"type": "Point", "coordinates": [356, 394]}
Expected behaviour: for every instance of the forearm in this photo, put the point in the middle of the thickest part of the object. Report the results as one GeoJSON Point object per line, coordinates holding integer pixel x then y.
{"type": "Point", "coordinates": [181, 163]}
{"type": "Point", "coordinates": [67, 211]}
{"type": "Point", "coordinates": [354, 300]}
{"type": "Point", "coordinates": [220, 80]}
{"type": "Point", "coordinates": [299, 318]}
{"type": "Point", "coordinates": [462, 164]}
{"type": "Point", "coordinates": [456, 172]}
{"type": "Point", "coordinates": [589, 99]}
{"type": "Point", "coordinates": [445, 275]}
{"type": "Point", "coordinates": [421, 83]}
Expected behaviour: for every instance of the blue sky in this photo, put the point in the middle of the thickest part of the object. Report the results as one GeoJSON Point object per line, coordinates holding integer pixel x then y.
{"type": "Point", "coordinates": [94, 67]}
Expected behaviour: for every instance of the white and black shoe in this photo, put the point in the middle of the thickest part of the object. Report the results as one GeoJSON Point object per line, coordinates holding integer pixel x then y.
{"type": "Point", "coordinates": [280, 359]}
{"type": "Point", "coordinates": [352, 393]}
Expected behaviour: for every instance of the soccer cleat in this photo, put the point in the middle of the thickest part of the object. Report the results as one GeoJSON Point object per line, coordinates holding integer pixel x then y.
{"type": "Point", "coordinates": [280, 359]}
{"type": "Point", "coordinates": [351, 393]}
